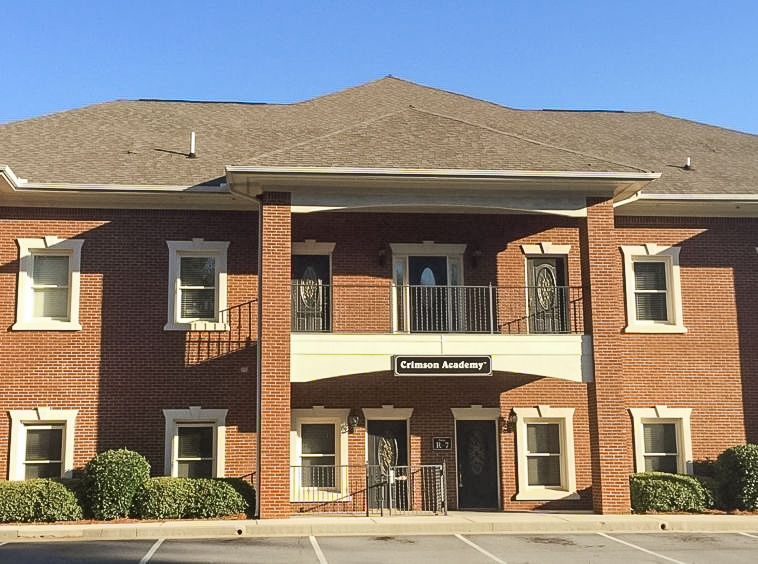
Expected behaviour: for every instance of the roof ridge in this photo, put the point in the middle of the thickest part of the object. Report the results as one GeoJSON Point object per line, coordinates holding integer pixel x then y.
{"type": "Point", "coordinates": [327, 135]}
{"type": "Point", "coordinates": [526, 139]}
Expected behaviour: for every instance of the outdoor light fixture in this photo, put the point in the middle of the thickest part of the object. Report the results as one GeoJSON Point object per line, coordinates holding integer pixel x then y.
{"type": "Point", "coordinates": [509, 423]}
{"type": "Point", "coordinates": [382, 254]}
{"type": "Point", "coordinates": [352, 422]}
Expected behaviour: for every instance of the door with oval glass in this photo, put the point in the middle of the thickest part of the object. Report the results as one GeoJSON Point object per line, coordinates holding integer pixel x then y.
{"type": "Point", "coordinates": [388, 463]}
{"type": "Point", "coordinates": [548, 295]}
{"type": "Point", "coordinates": [428, 281]}
{"type": "Point", "coordinates": [476, 450]}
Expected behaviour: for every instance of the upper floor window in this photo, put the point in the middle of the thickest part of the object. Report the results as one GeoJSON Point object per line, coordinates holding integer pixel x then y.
{"type": "Point", "coordinates": [653, 289]}
{"type": "Point", "coordinates": [197, 285]}
{"type": "Point", "coordinates": [48, 284]}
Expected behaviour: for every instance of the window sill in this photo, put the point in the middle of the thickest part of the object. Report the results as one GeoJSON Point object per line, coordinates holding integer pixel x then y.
{"type": "Point", "coordinates": [46, 325]}
{"type": "Point", "coordinates": [196, 326]}
{"type": "Point", "coordinates": [654, 328]}
{"type": "Point", "coordinates": [545, 494]}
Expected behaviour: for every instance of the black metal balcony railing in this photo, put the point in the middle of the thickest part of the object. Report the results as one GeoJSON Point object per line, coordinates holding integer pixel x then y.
{"type": "Point", "coordinates": [320, 307]}
{"type": "Point", "coordinates": [368, 489]}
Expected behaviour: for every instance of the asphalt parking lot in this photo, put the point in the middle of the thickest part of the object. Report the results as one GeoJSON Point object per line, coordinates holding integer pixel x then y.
{"type": "Point", "coordinates": [664, 547]}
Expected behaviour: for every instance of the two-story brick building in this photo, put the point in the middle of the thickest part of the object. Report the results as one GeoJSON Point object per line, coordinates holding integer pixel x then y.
{"type": "Point", "coordinates": [388, 297]}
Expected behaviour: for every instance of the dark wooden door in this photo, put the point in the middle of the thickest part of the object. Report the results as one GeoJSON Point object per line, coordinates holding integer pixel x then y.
{"type": "Point", "coordinates": [388, 462]}
{"type": "Point", "coordinates": [477, 464]}
{"type": "Point", "coordinates": [548, 295]}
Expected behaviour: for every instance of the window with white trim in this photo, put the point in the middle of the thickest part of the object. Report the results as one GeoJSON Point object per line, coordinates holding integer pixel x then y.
{"type": "Point", "coordinates": [197, 285]}
{"type": "Point", "coordinates": [545, 451]}
{"type": "Point", "coordinates": [653, 289]}
{"type": "Point", "coordinates": [318, 454]}
{"type": "Point", "coordinates": [42, 443]}
{"type": "Point", "coordinates": [662, 441]}
{"type": "Point", "coordinates": [195, 442]}
{"type": "Point", "coordinates": [48, 284]}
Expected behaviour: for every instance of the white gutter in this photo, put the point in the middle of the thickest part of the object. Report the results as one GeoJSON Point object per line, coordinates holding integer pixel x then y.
{"type": "Point", "coordinates": [442, 172]}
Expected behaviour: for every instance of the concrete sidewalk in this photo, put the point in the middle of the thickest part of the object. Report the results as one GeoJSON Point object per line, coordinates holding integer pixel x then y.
{"type": "Point", "coordinates": [455, 522]}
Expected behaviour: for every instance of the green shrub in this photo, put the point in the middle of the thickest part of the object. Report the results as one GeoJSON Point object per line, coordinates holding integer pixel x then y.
{"type": "Point", "coordinates": [660, 491]}
{"type": "Point", "coordinates": [246, 490]}
{"type": "Point", "coordinates": [37, 500]}
{"type": "Point", "coordinates": [737, 477]}
{"type": "Point", "coordinates": [176, 498]}
{"type": "Point", "coordinates": [113, 478]}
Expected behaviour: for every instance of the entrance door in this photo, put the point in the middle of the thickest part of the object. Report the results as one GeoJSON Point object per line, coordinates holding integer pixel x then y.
{"type": "Point", "coordinates": [477, 464]}
{"type": "Point", "coordinates": [310, 293]}
{"type": "Point", "coordinates": [388, 463]}
{"type": "Point", "coordinates": [427, 277]}
{"type": "Point", "coordinates": [548, 295]}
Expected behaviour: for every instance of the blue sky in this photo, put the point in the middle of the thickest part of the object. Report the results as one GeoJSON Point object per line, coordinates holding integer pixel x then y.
{"type": "Point", "coordinates": [691, 59]}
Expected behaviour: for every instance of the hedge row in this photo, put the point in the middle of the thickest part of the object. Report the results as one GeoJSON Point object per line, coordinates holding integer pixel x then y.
{"type": "Point", "coordinates": [734, 485]}
{"type": "Point", "coordinates": [117, 484]}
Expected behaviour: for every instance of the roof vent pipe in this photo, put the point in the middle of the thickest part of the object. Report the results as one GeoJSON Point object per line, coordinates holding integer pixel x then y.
{"type": "Point", "coordinates": [192, 153]}
{"type": "Point", "coordinates": [687, 165]}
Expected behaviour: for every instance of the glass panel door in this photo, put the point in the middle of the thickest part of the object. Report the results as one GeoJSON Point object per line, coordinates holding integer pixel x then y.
{"type": "Point", "coordinates": [427, 278]}
{"type": "Point", "coordinates": [547, 295]}
{"type": "Point", "coordinates": [311, 294]}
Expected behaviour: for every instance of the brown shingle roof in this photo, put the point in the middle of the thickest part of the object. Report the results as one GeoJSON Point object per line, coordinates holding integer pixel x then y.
{"type": "Point", "coordinates": [386, 123]}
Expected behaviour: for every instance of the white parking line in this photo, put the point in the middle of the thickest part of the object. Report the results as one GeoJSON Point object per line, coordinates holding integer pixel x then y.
{"type": "Point", "coordinates": [641, 549]}
{"type": "Point", "coordinates": [149, 555]}
{"type": "Point", "coordinates": [746, 534]}
{"type": "Point", "coordinates": [480, 549]}
{"type": "Point", "coordinates": [317, 550]}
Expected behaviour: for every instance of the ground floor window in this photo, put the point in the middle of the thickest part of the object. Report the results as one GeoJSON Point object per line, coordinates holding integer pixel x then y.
{"type": "Point", "coordinates": [42, 443]}
{"type": "Point", "coordinates": [195, 442]}
{"type": "Point", "coordinates": [545, 451]}
{"type": "Point", "coordinates": [318, 454]}
{"type": "Point", "coordinates": [662, 441]}
{"type": "Point", "coordinates": [194, 451]}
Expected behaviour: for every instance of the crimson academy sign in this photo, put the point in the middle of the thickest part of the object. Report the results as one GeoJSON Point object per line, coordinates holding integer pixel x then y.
{"type": "Point", "coordinates": [442, 365]}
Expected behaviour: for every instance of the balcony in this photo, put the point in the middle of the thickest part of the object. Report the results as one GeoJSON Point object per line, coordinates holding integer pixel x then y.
{"type": "Point", "coordinates": [356, 328]}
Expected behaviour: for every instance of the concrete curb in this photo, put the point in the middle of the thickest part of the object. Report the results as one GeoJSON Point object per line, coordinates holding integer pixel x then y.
{"type": "Point", "coordinates": [457, 522]}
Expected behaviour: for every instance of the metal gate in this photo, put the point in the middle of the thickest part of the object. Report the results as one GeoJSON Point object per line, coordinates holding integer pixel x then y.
{"type": "Point", "coordinates": [369, 490]}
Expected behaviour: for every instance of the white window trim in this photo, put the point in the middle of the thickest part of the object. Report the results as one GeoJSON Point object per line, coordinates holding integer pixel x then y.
{"type": "Point", "coordinates": [564, 417]}
{"type": "Point", "coordinates": [196, 247]}
{"type": "Point", "coordinates": [312, 247]}
{"type": "Point", "coordinates": [670, 257]}
{"type": "Point", "coordinates": [50, 245]}
{"type": "Point", "coordinates": [195, 415]}
{"type": "Point", "coordinates": [680, 416]}
{"type": "Point", "coordinates": [318, 414]}
{"type": "Point", "coordinates": [22, 418]}
{"type": "Point", "coordinates": [545, 248]}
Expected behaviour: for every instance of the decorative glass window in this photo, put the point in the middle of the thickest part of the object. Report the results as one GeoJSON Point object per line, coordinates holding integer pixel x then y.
{"type": "Point", "coordinates": [197, 282]}
{"type": "Point", "coordinates": [195, 442]}
{"type": "Point", "coordinates": [48, 284]}
{"type": "Point", "coordinates": [653, 289]}
{"type": "Point", "coordinates": [545, 451]}
{"type": "Point", "coordinates": [42, 443]}
{"type": "Point", "coordinates": [662, 441]}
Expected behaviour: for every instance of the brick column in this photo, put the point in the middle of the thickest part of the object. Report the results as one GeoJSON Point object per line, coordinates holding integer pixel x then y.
{"type": "Point", "coordinates": [274, 259]}
{"type": "Point", "coordinates": [610, 427]}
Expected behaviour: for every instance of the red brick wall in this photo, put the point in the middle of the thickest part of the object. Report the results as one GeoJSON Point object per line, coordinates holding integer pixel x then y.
{"type": "Point", "coordinates": [122, 369]}
{"type": "Point", "coordinates": [274, 356]}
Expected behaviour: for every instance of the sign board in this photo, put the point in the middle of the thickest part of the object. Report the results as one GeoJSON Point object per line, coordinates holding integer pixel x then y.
{"type": "Point", "coordinates": [442, 443]}
{"type": "Point", "coordinates": [442, 365]}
